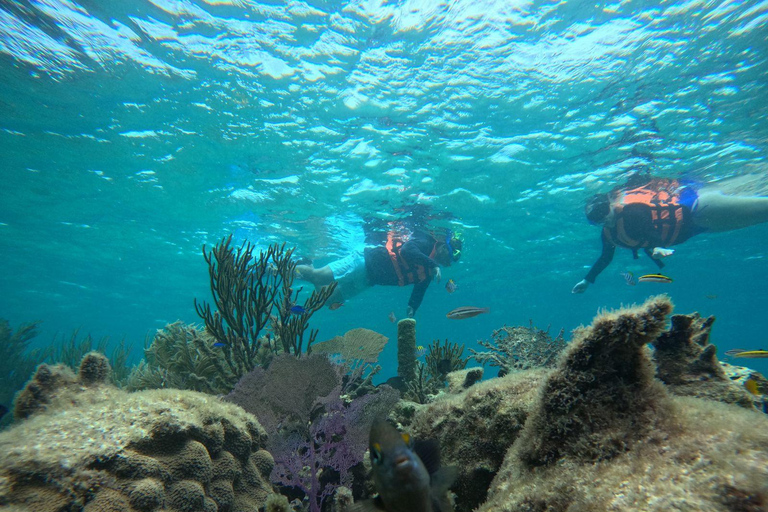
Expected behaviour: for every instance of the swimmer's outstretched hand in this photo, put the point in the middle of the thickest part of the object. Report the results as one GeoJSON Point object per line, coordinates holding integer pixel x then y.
{"type": "Point", "coordinates": [580, 287]}
{"type": "Point", "coordinates": [436, 272]}
{"type": "Point", "coordinates": [660, 252]}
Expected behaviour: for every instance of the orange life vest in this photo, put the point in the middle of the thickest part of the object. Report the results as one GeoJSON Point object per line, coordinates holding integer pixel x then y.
{"type": "Point", "coordinates": [406, 274]}
{"type": "Point", "coordinates": [662, 196]}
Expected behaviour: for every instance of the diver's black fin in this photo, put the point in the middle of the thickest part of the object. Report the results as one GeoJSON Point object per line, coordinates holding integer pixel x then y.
{"type": "Point", "coordinates": [429, 453]}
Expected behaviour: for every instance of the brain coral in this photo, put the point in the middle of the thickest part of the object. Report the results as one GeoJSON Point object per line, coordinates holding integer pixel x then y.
{"type": "Point", "coordinates": [100, 448]}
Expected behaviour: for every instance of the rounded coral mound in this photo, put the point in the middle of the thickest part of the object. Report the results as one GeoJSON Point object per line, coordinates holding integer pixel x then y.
{"type": "Point", "coordinates": [94, 448]}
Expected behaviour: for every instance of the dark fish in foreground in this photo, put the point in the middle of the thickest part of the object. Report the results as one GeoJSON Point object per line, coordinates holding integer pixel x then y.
{"type": "Point", "coordinates": [407, 475]}
{"type": "Point", "coordinates": [654, 278]}
{"type": "Point", "coordinates": [466, 312]}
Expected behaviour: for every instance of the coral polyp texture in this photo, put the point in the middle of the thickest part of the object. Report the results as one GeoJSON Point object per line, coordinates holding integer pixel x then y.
{"type": "Point", "coordinates": [97, 448]}
{"type": "Point", "coordinates": [604, 434]}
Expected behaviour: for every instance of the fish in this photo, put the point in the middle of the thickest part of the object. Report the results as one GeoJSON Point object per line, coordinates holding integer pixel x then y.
{"type": "Point", "coordinates": [298, 310]}
{"type": "Point", "coordinates": [336, 305]}
{"type": "Point", "coordinates": [710, 296]}
{"type": "Point", "coordinates": [751, 386]}
{"type": "Point", "coordinates": [629, 277]}
{"type": "Point", "coordinates": [420, 351]}
{"type": "Point", "coordinates": [407, 474]}
{"type": "Point", "coordinates": [3, 411]}
{"type": "Point", "coordinates": [451, 286]}
{"type": "Point", "coordinates": [734, 352]}
{"type": "Point", "coordinates": [466, 312]}
{"type": "Point", "coordinates": [752, 354]}
{"type": "Point", "coordinates": [392, 317]}
{"type": "Point", "coordinates": [654, 278]}
{"type": "Point", "coordinates": [219, 344]}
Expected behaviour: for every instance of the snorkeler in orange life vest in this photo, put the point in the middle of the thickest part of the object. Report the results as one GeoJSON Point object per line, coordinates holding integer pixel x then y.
{"type": "Point", "coordinates": [399, 262]}
{"type": "Point", "coordinates": [654, 214]}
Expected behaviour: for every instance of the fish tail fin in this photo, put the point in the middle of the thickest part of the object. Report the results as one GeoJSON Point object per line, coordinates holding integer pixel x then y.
{"type": "Point", "coordinates": [442, 480]}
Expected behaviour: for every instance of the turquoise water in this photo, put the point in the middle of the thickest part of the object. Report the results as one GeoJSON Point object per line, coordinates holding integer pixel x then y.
{"type": "Point", "coordinates": [134, 132]}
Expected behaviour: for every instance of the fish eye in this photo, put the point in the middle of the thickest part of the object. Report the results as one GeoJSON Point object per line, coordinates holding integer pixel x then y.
{"type": "Point", "coordinates": [376, 454]}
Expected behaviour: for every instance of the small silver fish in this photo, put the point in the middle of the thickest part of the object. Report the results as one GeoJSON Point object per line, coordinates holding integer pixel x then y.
{"type": "Point", "coordinates": [629, 277]}
{"type": "Point", "coordinates": [466, 312]}
{"type": "Point", "coordinates": [406, 481]}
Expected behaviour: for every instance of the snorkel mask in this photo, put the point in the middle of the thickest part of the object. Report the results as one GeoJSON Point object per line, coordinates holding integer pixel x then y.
{"type": "Point", "coordinates": [597, 208]}
{"type": "Point", "coordinates": [452, 238]}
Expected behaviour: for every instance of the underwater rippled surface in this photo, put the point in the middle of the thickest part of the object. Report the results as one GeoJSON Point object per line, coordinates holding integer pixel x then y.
{"type": "Point", "coordinates": [132, 132]}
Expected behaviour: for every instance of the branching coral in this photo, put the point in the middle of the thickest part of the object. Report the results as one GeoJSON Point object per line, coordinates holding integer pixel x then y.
{"type": "Point", "coordinates": [520, 348]}
{"type": "Point", "coordinates": [250, 292]}
{"type": "Point", "coordinates": [174, 360]}
{"type": "Point", "coordinates": [431, 376]}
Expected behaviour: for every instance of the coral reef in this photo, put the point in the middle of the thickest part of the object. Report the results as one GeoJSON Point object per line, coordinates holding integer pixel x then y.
{"type": "Point", "coordinates": [249, 293]}
{"type": "Point", "coordinates": [174, 360]}
{"type": "Point", "coordinates": [17, 362]}
{"type": "Point", "coordinates": [98, 448]}
{"type": "Point", "coordinates": [687, 364]}
{"type": "Point", "coordinates": [360, 344]}
{"type": "Point", "coordinates": [440, 360]}
{"type": "Point", "coordinates": [313, 431]}
{"type": "Point", "coordinates": [603, 434]}
{"type": "Point", "coordinates": [520, 348]}
{"type": "Point", "coordinates": [743, 377]}
{"type": "Point", "coordinates": [460, 380]}
{"type": "Point", "coordinates": [475, 428]}
{"type": "Point", "coordinates": [406, 350]}
{"type": "Point", "coordinates": [70, 352]}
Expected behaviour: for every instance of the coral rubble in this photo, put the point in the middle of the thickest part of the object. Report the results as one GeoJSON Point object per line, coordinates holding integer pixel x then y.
{"type": "Point", "coordinates": [87, 445]}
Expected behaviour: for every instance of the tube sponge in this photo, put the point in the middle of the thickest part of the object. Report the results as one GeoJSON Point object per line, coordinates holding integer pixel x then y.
{"type": "Point", "coordinates": [406, 349]}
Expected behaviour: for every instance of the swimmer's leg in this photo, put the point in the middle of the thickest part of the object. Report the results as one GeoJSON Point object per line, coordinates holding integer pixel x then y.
{"type": "Point", "coordinates": [716, 211]}
{"type": "Point", "coordinates": [319, 277]}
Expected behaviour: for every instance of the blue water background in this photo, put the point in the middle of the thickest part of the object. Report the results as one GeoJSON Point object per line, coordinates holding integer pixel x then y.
{"type": "Point", "coordinates": [134, 132]}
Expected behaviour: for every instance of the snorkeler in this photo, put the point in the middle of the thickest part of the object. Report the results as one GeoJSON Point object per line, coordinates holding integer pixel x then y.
{"type": "Point", "coordinates": [653, 214]}
{"type": "Point", "coordinates": [416, 261]}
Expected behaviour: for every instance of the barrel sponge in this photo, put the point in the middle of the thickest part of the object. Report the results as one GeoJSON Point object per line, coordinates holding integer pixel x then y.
{"type": "Point", "coordinates": [108, 500]}
{"type": "Point", "coordinates": [146, 495]}
{"type": "Point", "coordinates": [94, 369]}
{"type": "Point", "coordinates": [603, 394]}
{"type": "Point", "coordinates": [264, 462]}
{"type": "Point", "coordinates": [406, 349]}
{"type": "Point", "coordinates": [186, 496]}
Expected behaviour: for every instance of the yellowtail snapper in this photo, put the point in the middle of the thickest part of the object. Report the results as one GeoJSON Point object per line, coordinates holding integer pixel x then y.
{"type": "Point", "coordinates": [654, 278]}
{"type": "Point", "coordinates": [407, 474]}
{"type": "Point", "coordinates": [466, 312]}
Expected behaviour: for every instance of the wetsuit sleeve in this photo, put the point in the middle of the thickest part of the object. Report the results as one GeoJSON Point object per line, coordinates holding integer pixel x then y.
{"type": "Point", "coordinates": [603, 261]}
{"type": "Point", "coordinates": [417, 295]}
{"type": "Point", "coordinates": [658, 262]}
{"type": "Point", "coordinates": [412, 252]}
